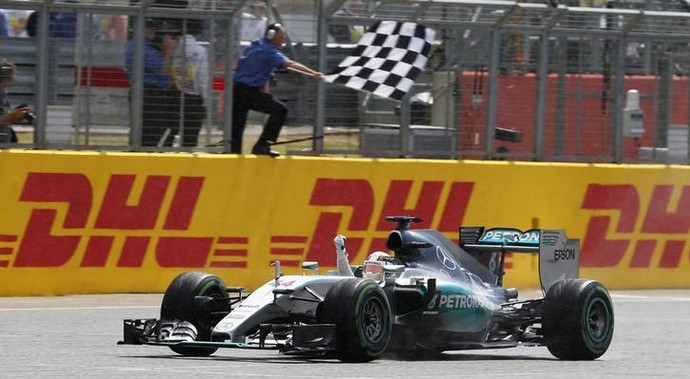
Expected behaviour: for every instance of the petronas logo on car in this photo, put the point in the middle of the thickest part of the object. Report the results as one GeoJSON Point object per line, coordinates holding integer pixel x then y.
{"type": "Point", "coordinates": [455, 301]}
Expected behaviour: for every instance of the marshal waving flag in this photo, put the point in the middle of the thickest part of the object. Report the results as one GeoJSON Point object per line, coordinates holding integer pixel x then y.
{"type": "Point", "coordinates": [387, 59]}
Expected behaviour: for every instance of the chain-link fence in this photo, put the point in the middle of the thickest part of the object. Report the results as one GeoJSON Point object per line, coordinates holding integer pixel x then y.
{"type": "Point", "coordinates": [85, 69]}
{"type": "Point", "coordinates": [563, 83]}
{"type": "Point", "coordinates": [505, 79]}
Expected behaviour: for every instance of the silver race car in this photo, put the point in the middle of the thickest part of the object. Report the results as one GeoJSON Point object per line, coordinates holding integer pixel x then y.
{"type": "Point", "coordinates": [430, 295]}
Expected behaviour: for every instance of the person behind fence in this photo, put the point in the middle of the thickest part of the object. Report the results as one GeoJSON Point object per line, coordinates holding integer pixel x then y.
{"type": "Point", "coordinates": [63, 25]}
{"type": "Point", "coordinates": [254, 21]}
{"type": "Point", "coordinates": [251, 90]}
{"type": "Point", "coordinates": [160, 101]}
{"type": "Point", "coordinates": [9, 115]}
{"type": "Point", "coordinates": [190, 65]}
{"type": "Point", "coordinates": [4, 23]}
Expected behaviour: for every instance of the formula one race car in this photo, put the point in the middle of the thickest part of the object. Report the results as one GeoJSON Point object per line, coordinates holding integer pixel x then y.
{"type": "Point", "coordinates": [431, 295]}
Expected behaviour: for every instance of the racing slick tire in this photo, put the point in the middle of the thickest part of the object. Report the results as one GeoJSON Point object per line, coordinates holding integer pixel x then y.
{"type": "Point", "coordinates": [178, 303]}
{"type": "Point", "coordinates": [362, 316]}
{"type": "Point", "coordinates": [577, 319]}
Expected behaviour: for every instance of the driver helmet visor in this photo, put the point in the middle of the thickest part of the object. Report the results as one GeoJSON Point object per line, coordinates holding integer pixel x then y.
{"type": "Point", "coordinates": [373, 270]}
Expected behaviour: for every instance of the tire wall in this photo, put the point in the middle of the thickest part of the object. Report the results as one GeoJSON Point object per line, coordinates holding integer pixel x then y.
{"type": "Point", "coordinates": [83, 222]}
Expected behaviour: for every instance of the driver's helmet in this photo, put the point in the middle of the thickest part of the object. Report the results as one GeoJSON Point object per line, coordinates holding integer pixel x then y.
{"type": "Point", "coordinates": [373, 265]}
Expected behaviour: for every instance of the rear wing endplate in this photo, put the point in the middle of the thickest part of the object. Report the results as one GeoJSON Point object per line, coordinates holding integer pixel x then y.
{"type": "Point", "coordinates": [559, 256]}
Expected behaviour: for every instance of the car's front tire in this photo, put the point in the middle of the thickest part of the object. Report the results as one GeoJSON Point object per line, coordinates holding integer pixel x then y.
{"type": "Point", "coordinates": [178, 303]}
{"type": "Point", "coordinates": [361, 313]}
{"type": "Point", "coordinates": [577, 319]}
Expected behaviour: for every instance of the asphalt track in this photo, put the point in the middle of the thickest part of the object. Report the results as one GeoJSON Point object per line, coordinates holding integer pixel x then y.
{"type": "Point", "coordinates": [75, 336]}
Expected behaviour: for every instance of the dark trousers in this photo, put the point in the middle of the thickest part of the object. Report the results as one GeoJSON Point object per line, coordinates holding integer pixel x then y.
{"type": "Point", "coordinates": [160, 113]}
{"type": "Point", "coordinates": [7, 134]}
{"type": "Point", "coordinates": [246, 98]}
{"type": "Point", "coordinates": [194, 115]}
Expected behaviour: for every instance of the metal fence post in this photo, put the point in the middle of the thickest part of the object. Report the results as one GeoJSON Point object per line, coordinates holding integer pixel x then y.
{"type": "Point", "coordinates": [492, 106]}
{"type": "Point", "coordinates": [542, 81]}
{"type": "Point", "coordinates": [229, 78]}
{"type": "Point", "coordinates": [619, 93]}
{"type": "Point", "coordinates": [136, 97]}
{"type": "Point", "coordinates": [42, 57]}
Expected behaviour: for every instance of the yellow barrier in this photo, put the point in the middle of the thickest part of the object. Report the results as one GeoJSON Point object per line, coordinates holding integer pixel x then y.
{"type": "Point", "coordinates": [87, 222]}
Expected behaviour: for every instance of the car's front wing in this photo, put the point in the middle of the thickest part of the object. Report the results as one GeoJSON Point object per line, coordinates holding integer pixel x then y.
{"type": "Point", "coordinates": [304, 339]}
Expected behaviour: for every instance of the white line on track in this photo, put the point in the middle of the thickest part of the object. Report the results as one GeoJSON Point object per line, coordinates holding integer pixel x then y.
{"type": "Point", "coordinates": [79, 308]}
{"type": "Point", "coordinates": [641, 298]}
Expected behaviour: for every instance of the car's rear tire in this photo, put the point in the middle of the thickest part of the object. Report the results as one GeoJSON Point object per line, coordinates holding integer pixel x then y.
{"type": "Point", "coordinates": [178, 303]}
{"type": "Point", "coordinates": [578, 319]}
{"type": "Point", "coordinates": [362, 316]}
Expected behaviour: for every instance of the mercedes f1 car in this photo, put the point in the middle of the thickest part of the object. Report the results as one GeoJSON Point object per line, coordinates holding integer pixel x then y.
{"type": "Point", "coordinates": [429, 296]}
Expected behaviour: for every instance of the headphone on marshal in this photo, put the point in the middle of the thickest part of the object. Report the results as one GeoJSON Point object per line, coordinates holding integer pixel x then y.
{"type": "Point", "coordinates": [272, 30]}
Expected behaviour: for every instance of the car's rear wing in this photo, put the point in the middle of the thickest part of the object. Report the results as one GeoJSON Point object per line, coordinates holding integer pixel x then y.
{"type": "Point", "coordinates": [559, 256]}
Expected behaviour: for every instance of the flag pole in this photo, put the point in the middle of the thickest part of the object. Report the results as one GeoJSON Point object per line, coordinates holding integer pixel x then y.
{"type": "Point", "coordinates": [298, 71]}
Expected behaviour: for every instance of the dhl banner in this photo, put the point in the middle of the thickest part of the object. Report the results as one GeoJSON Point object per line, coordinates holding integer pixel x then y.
{"type": "Point", "coordinates": [101, 222]}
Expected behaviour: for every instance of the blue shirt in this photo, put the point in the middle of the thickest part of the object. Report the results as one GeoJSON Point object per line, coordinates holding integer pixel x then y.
{"type": "Point", "coordinates": [257, 63]}
{"type": "Point", "coordinates": [4, 27]}
{"type": "Point", "coordinates": [154, 72]}
{"type": "Point", "coordinates": [64, 25]}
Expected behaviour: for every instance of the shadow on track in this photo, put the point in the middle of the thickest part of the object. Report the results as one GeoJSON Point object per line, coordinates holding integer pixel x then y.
{"type": "Point", "coordinates": [297, 359]}
{"type": "Point", "coordinates": [462, 356]}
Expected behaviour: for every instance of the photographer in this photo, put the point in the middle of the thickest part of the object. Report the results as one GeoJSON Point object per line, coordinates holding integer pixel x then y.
{"type": "Point", "coordinates": [160, 102]}
{"type": "Point", "coordinates": [191, 72]}
{"type": "Point", "coordinates": [8, 115]}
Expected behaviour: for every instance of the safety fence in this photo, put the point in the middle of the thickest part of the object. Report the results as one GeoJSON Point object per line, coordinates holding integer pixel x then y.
{"type": "Point", "coordinates": [518, 80]}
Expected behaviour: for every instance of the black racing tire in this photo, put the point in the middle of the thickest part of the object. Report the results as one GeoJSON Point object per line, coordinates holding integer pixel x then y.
{"type": "Point", "coordinates": [362, 316]}
{"type": "Point", "coordinates": [178, 303]}
{"type": "Point", "coordinates": [578, 319]}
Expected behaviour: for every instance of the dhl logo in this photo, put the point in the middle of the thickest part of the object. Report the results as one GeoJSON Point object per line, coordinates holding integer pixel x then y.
{"type": "Point", "coordinates": [41, 246]}
{"type": "Point", "coordinates": [660, 230]}
{"type": "Point", "coordinates": [51, 241]}
{"type": "Point", "coordinates": [359, 196]}
{"type": "Point", "coordinates": [622, 229]}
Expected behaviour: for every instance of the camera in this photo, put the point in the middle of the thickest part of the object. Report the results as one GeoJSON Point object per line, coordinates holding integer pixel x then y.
{"type": "Point", "coordinates": [28, 117]}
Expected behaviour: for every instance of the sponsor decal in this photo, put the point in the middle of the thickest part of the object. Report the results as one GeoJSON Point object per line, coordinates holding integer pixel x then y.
{"type": "Point", "coordinates": [147, 218]}
{"type": "Point", "coordinates": [626, 229]}
{"type": "Point", "coordinates": [165, 204]}
{"type": "Point", "coordinates": [446, 259]}
{"type": "Point", "coordinates": [432, 305]}
{"type": "Point", "coordinates": [286, 283]}
{"type": "Point", "coordinates": [224, 325]}
{"type": "Point", "coordinates": [511, 236]}
{"type": "Point", "coordinates": [460, 301]}
{"type": "Point", "coordinates": [443, 201]}
{"type": "Point", "coordinates": [564, 254]}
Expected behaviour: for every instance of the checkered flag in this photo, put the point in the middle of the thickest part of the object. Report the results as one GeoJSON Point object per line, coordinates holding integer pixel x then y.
{"type": "Point", "coordinates": [388, 58]}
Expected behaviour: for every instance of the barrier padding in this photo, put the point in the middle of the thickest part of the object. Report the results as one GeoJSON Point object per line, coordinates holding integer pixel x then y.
{"type": "Point", "coordinates": [104, 222]}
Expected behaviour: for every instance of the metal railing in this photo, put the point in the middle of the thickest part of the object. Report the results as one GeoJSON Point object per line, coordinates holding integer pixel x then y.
{"type": "Point", "coordinates": [526, 80]}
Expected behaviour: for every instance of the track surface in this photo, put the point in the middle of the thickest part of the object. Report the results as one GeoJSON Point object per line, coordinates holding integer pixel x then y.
{"type": "Point", "coordinates": [75, 336]}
